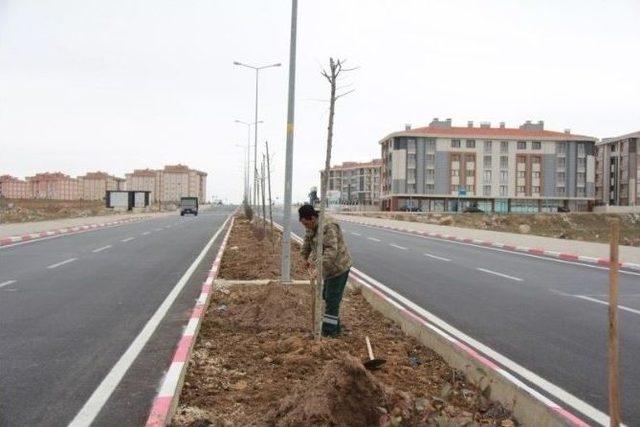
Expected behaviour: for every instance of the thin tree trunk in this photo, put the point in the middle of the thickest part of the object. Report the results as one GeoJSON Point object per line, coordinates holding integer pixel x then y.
{"type": "Point", "coordinates": [269, 185]}
{"type": "Point", "coordinates": [323, 197]}
{"type": "Point", "coordinates": [264, 212]}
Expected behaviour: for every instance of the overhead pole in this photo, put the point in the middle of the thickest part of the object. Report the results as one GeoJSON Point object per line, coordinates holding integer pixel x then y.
{"type": "Point", "coordinates": [266, 143]}
{"type": "Point", "coordinates": [285, 268]}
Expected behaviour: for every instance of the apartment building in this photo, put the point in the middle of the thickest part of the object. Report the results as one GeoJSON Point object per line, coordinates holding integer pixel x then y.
{"type": "Point", "coordinates": [618, 170]}
{"type": "Point", "coordinates": [357, 182]}
{"type": "Point", "coordinates": [169, 184]}
{"type": "Point", "coordinates": [94, 185]}
{"type": "Point", "coordinates": [14, 188]}
{"type": "Point", "coordinates": [442, 167]}
{"type": "Point", "coordinates": [54, 186]}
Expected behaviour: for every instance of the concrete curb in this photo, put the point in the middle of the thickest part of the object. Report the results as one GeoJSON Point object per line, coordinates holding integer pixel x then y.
{"type": "Point", "coordinates": [11, 240]}
{"type": "Point", "coordinates": [166, 402]}
{"type": "Point", "coordinates": [534, 251]}
{"type": "Point", "coordinates": [530, 407]}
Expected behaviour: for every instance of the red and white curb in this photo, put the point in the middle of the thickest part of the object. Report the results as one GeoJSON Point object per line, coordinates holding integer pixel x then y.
{"type": "Point", "coordinates": [533, 251]}
{"type": "Point", "coordinates": [414, 315]}
{"type": "Point", "coordinates": [171, 386]}
{"type": "Point", "coordinates": [12, 240]}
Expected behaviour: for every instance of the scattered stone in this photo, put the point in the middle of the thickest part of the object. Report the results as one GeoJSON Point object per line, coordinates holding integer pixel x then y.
{"type": "Point", "coordinates": [524, 229]}
{"type": "Point", "coordinates": [447, 220]}
{"type": "Point", "coordinates": [507, 423]}
{"type": "Point", "coordinates": [222, 307]}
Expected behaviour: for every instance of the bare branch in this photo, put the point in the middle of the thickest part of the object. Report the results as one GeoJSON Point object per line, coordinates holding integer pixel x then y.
{"type": "Point", "coordinates": [344, 94]}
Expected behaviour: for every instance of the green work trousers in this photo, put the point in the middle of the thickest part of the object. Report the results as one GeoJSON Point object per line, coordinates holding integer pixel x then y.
{"type": "Point", "coordinates": [332, 295]}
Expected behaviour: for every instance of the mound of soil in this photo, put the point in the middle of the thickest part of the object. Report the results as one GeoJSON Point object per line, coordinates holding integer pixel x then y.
{"type": "Point", "coordinates": [272, 306]}
{"type": "Point", "coordinates": [343, 394]}
{"type": "Point", "coordinates": [250, 255]}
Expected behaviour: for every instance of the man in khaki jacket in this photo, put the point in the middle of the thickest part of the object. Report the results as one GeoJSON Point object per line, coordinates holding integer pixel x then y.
{"type": "Point", "coordinates": [336, 263]}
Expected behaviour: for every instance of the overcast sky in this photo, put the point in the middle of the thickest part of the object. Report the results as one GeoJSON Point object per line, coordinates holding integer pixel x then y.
{"type": "Point", "coordinates": [115, 85]}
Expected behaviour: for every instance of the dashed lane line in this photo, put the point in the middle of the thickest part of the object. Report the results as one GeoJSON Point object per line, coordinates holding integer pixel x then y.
{"type": "Point", "coordinates": [506, 276]}
{"type": "Point", "coordinates": [146, 233]}
{"type": "Point", "coordinates": [95, 251]}
{"type": "Point", "coordinates": [128, 239]}
{"type": "Point", "coordinates": [437, 257]}
{"type": "Point", "coordinates": [621, 307]}
{"type": "Point", "coordinates": [398, 247]}
{"type": "Point", "coordinates": [58, 264]}
{"type": "Point", "coordinates": [8, 282]}
{"type": "Point", "coordinates": [374, 239]}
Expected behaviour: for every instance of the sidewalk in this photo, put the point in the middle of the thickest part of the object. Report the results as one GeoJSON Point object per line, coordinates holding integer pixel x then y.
{"type": "Point", "coordinates": [559, 248]}
{"type": "Point", "coordinates": [25, 228]}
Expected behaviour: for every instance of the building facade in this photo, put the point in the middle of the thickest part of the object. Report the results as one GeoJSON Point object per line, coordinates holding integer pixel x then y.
{"type": "Point", "coordinates": [357, 183]}
{"type": "Point", "coordinates": [496, 169]}
{"type": "Point", "coordinates": [94, 185]}
{"type": "Point", "coordinates": [54, 186]}
{"type": "Point", "coordinates": [14, 188]}
{"type": "Point", "coordinates": [168, 185]}
{"type": "Point", "coordinates": [618, 170]}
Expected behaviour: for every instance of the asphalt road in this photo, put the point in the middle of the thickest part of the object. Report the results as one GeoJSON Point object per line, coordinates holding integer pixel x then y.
{"type": "Point", "coordinates": [71, 306]}
{"type": "Point", "coordinates": [549, 316]}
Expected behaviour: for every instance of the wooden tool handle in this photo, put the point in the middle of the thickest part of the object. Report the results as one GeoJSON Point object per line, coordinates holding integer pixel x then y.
{"type": "Point", "coordinates": [369, 348]}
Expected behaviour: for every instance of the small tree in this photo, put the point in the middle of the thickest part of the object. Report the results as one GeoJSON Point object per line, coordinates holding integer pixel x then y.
{"type": "Point", "coordinates": [336, 68]}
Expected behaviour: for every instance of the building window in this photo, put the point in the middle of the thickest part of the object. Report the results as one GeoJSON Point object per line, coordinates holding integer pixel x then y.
{"type": "Point", "coordinates": [470, 173]}
{"type": "Point", "coordinates": [521, 174]}
{"type": "Point", "coordinates": [455, 172]}
{"type": "Point", "coordinates": [504, 162]}
{"type": "Point", "coordinates": [431, 146]}
{"type": "Point", "coordinates": [455, 143]}
{"type": "Point", "coordinates": [520, 188]}
{"type": "Point", "coordinates": [522, 145]}
{"type": "Point", "coordinates": [431, 174]}
{"type": "Point", "coordinates": [471, 143]}
{"type": "Point", "coordinates": [535, 175]}
{"type": "Point", "coordinates": [560, 191]}
{"type": "Point", "coordinates": [581, 150]}
{"type": "Point", "coordinates": [486, 190]}
{"type": "Point", "coordinates": [487, 176]}
{"type": "Point", "coordinates": [454, 188]}
{"type": "Point", "coordinates": [504, 147]}
{"type": "Point", "coordinates": [580, 192]}
{"type": "Point", "coordinates": [582, 162]}
{"type": "Point", "coordinates": [536, 145]}
{"type": "Point", "coordinates": [430, 160]}
{"type": "Point", "coordinates": [504, 190]}
{"type": "Point", "coordinates": [430, 188]}
{"type": "Point", "coordinates": [561, 162]}
{"type": "Point", "coordinates": [487, 146]}
{"type": "Point", "coordinates": [504, 177]}
{"type": "Point", "coordinates": [560, 148]}
{"type": "Point", "coordinates": [536, 190]}
{"type": "Point", "coordinates": [487, 162]}
{"type": "Point", "coordinates": [581, 178]}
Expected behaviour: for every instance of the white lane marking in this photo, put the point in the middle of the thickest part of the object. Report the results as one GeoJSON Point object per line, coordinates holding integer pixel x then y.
{"type": "Point", "coordinates": [554, 390]}
{"type": "Point", "coordinates": [396, 246]}
{"type": "Point", "coordinates": [437, 257]}
{"type": "Point", "coordinates": [544, 258]}
{"type": "Point", "coordinates": [128, 239]}
{"type": "Point", "coordinates": [95, 251]}
{"type": "Point", "coordinates": [621, 307]}
{"type": "Point", "coordinates": [145, 233]}
{"type": "Point", "coordinates": [66, 261]}
{"type": "Point", "coordinates": [355, 234]}
{"type": "Point", "coordinates": [374, 239]}
{"type": "Point", "coordinates": [159, 229]}
{"type": "Point", "coordinates": [8, 282]}
{"type": "Point", "coordinates": [99, 397]}
{"type": "Point", "coordinates": [506, 276]}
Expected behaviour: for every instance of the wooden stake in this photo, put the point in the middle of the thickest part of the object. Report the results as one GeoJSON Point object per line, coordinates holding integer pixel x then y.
{"type": "Point", "coordinates": [614, 398]}
{"type": "Point", "coordinates": [266, 143]}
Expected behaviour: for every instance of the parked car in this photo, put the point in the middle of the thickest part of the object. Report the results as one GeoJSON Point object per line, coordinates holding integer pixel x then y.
{"type": "Point", "coordinates": [473, 209]}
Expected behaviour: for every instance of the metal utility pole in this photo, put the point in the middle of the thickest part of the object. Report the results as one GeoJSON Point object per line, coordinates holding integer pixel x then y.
{"type": "Point", "coordinates": [264, 212]}
{"type": "Point", "coordinates": [285, 268]}
{"type": "Point", "coordinates": [255, 140]}
{"type": "Point", "coordinates": [269, 185]}
{"type": "Point", "coordinates": [248, 125]}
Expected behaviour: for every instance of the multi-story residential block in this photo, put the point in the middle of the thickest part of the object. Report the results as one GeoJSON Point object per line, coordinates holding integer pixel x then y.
{"type": "Point", "coordinates": [169, 184]}
{"type": "Point", "coordinates": [14, 188]}
{"type": "Point", "coordinates": [54, 186]}
{"type": "Point", "coordinates": [94, 185]}
{"type": "Point", "coordinates": [356, 182]}
{"type": "Point", "coordinates": [618, 170]}
{"type": "Point", "coordinates": [497, 169]}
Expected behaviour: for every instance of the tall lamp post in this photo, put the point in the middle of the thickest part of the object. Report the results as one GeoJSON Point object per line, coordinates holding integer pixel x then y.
{"type": "Point", "coordinates": [255, 142]}
{"type": "Point", "coordinates": [248, 125]}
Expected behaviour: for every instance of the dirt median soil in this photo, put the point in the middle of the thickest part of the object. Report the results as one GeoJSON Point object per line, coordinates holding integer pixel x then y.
{"type": "Point", "coordinates": [256, 364]}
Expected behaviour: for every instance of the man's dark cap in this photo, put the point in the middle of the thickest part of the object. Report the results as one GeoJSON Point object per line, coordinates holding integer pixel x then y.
{"type": "Point", "coordinates": [307, 212]}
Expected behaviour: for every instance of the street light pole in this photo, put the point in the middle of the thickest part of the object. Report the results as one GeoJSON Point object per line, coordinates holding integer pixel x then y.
{"type": "Point", "coordinates": [248, 125]}
{"type": "Point", "coordinates": [285, 270]}
{"type": "Point", "coordinates": [255, 141]}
